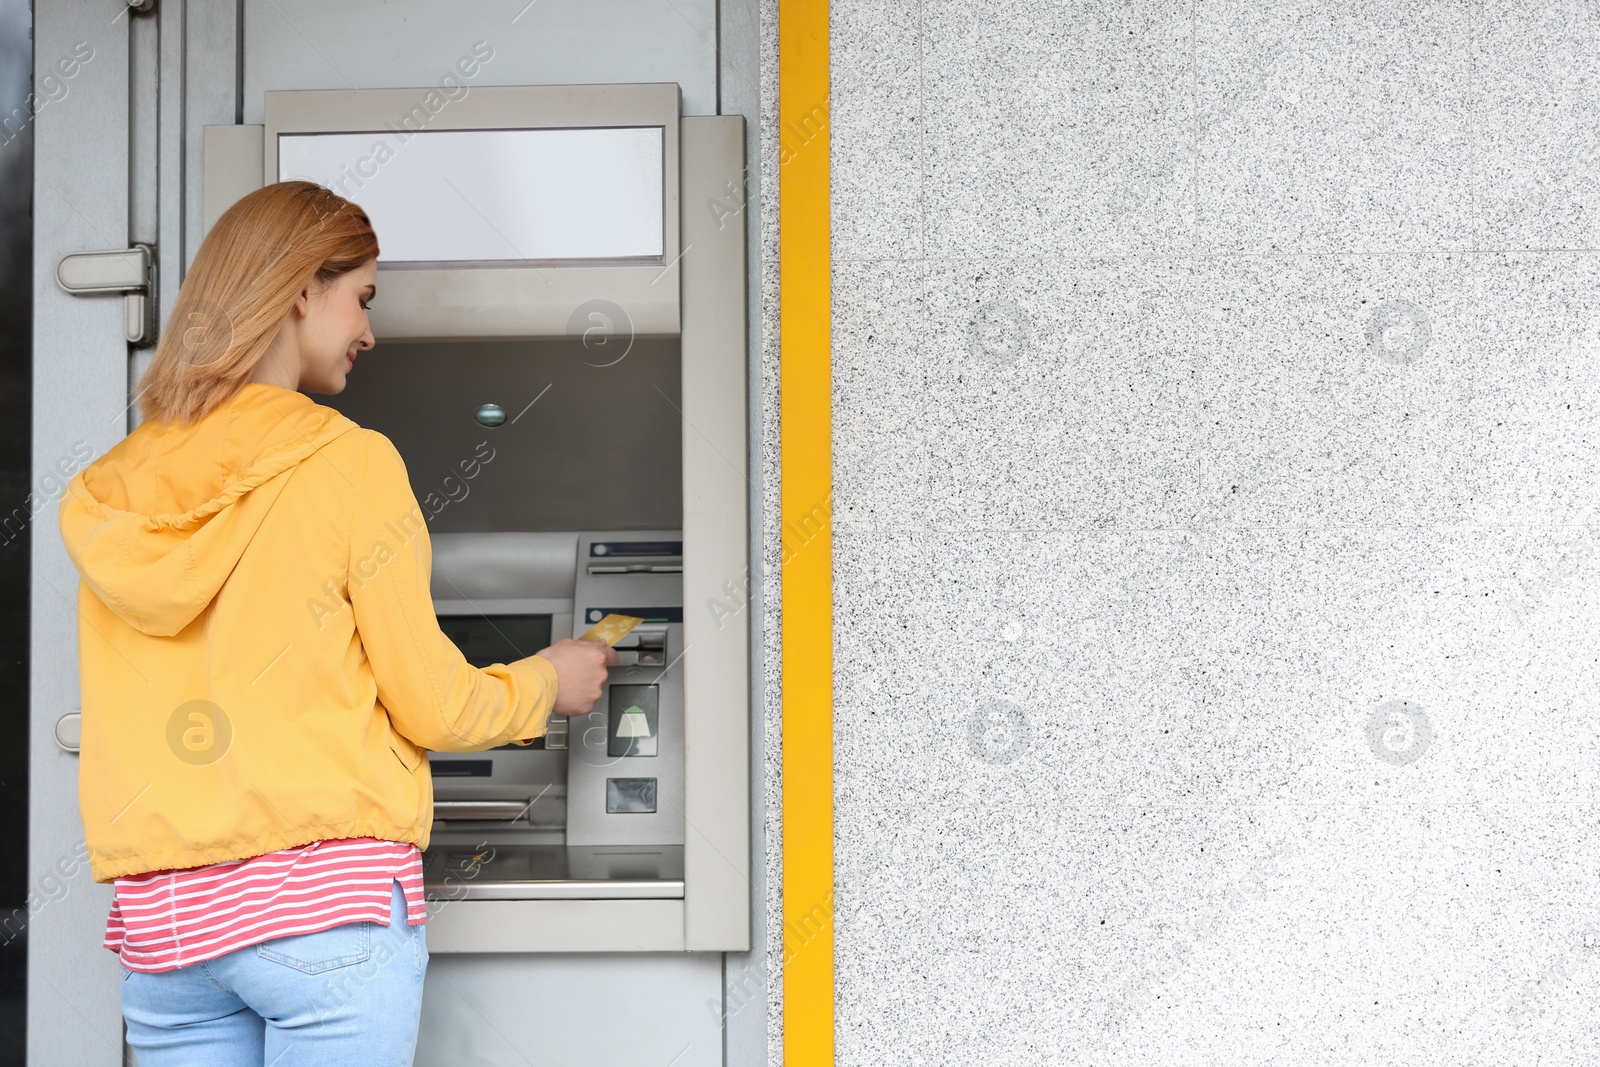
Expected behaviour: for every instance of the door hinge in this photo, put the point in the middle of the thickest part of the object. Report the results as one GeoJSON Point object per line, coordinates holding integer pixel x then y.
{"type": "Point", "coordinates": [129, 271]}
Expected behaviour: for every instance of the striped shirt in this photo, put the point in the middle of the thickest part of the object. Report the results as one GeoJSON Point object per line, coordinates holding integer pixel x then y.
{"type": "Point", "coordinates": [162, 920]}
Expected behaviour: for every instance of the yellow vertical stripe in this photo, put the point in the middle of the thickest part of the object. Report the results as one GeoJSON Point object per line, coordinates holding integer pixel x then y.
{"type": "Point", "coordinates": [804, 326]}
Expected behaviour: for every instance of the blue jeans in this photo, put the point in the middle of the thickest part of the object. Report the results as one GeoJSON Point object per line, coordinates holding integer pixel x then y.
{"type": "Point", "coordinates": [348, 995]}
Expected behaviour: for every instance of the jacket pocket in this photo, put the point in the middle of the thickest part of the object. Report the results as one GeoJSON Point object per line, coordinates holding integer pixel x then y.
{"type": "Point", "coordinates": [409, 755]}
{"type": "Point", "coordinates": [325, 950]}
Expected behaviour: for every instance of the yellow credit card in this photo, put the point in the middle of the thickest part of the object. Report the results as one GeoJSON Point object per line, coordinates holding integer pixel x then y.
{"type": "Point", "coordinates": [611, 629]}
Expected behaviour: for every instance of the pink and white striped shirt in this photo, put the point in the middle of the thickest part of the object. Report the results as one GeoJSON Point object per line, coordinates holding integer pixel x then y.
{"type": "Point", "coordinates": [162, 920]}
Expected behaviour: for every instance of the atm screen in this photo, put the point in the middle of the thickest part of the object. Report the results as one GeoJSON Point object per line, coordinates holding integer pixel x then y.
{"type": "Point", "coordinates": [486, 639]}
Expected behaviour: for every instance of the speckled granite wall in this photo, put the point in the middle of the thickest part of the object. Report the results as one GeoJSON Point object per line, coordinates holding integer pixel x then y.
{"type": "Point", "coordinates": [1217, 421]}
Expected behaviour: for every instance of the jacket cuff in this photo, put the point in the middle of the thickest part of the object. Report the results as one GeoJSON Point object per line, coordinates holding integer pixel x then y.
{"type": "Point", "coordinates": [546, 681]}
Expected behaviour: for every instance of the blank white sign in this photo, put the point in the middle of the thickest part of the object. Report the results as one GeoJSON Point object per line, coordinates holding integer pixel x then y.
{"type": "Point", "coordinates": [453, 196]}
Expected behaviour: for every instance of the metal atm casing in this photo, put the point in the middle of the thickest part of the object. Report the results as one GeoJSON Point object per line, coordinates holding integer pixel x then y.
{"type": "Point", "coordinates": [695, 293]}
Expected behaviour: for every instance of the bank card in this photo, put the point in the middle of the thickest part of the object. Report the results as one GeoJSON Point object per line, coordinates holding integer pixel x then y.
{"type": "Point", "coordinates": [611, 629]}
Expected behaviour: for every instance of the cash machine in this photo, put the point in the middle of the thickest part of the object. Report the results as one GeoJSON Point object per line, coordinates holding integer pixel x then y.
{"type": "Point", "coordinates": [561, 363]}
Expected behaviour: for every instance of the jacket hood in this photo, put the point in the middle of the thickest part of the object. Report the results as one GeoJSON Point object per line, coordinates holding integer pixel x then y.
{"type": "Point", "coordinates": [156, 525]}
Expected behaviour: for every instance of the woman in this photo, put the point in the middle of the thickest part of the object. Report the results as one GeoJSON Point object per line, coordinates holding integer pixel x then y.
{"type": "Point", "coordinates": [261, 668]}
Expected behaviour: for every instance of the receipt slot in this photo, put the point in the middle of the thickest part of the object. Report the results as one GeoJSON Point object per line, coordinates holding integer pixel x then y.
{"type": "Point", "coordinates": [561, 363]}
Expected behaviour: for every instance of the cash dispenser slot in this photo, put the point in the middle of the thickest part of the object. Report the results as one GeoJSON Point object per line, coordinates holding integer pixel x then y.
{"type": "Point", "coordinates": [553, 872]}
{"type": "Point", "coordinates": [476, 810]}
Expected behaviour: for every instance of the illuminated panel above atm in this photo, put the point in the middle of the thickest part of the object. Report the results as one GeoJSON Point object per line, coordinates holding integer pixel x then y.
{"type": "Point", "coordinates": [495, 196]}
{"type": "Point", "coordinates": [518, 211]}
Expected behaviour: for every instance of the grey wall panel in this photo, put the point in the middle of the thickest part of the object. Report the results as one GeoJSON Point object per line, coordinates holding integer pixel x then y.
{"type": "Point", "coordinates": [1222, 467]}
{"type": "Point", "coordinates": [211, 97]}
{"type": "Point", "coordinates": [233, 162]}
{"type": "Point", "coordinates": [304, 44]}
{"type": "Point", "coordinates": [571, 1010]}
{"type": "Point", "coordinates": [172, 171]}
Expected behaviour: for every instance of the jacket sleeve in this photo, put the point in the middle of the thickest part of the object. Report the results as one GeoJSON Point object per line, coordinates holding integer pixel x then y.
{"type": "Point", "coordinates": [435, 697]}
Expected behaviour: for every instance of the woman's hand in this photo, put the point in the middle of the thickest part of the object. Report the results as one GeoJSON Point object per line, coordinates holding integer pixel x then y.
{"type": "Point", "coordinates": [580, 673]}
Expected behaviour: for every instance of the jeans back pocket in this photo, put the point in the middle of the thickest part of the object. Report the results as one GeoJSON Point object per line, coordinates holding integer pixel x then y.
{"type": "Point", "coordinates": [337, 946]}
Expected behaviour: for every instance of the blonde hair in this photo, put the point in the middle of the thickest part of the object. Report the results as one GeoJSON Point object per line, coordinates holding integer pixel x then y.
{"type": "Point", "coordinates": [250, 268]}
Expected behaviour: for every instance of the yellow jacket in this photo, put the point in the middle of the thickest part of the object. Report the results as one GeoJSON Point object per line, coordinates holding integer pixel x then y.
{"type": "Point", "coordinates": [260, 662]}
